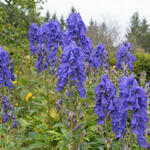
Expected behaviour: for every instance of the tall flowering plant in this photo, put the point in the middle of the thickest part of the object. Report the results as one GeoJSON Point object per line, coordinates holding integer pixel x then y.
{"type": "Point", "coordinates": [71, 76]}
{"type": "Point", "coordinates": [124, 57]}
{"type": "Point", "coordinates": [131, 108]}
{"type": "Point", "coordinates": [72, 69]}
{"type": "Point", "coordinates": [76, 31]}
{"type": "Point", "coordinates": [6, 78]}
{"type": "Point", "coordinates": [100, 58]}
{"type": "Point", "coordinates": [44, 42]}
{"type": "Point", "coordinates": [134, 98]}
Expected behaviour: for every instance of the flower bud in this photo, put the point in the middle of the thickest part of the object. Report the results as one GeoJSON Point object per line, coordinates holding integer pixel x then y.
{"type": "Point", "coordinates": [81, 116]}
{"type": "Point", "coordinates": [73, 115]}
{"type": "Point", "coordinates": [69, 125]}
{"type": "Point", "coordinates": [84, 132]}
{"type": "Point", "coordinates": [74, 120]}
{"type": "Point", "coordinates": [69, 118]}
{"type": "Point", "coordinates": [64, 112]}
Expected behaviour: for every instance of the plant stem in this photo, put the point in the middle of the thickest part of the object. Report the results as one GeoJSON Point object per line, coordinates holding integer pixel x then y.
{"type": "Point", "coordinates": [73, 109]}
{"type": "Point", "coordinates": [47, 94]}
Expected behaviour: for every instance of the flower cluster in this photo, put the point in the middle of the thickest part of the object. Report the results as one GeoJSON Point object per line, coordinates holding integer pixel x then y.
{"type": "Point", "coordinates": [75, 27]}
{"type": "Point", "coordinates": [134, 98]}
{"type": "Point", "coordinates": [7, 108]}
{"type": "Point", "coordinates": [54, 37]}
{"type": "Point", "coordinates": [33, 37]}
{"type": "Point", "coordinates": [6, 74]}
{"type": "Point", "coordinates": [72, 68]}
{"type": "Point", "coordinates": [76, 31]}
{"type": "Point", "coordinates": [124, 57]}
{"type": "Point", "coordinates": [44, 41]}
{"type": "Point", "coordinates": [105, 99]}
{"type": "Point", "coordinates": [100, 57]}
{"type": "Point", "coordinates": [41, 51]}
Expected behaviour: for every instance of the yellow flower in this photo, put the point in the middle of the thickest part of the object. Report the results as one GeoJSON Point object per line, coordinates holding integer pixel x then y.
{"type": "Point", "coordinates": [16, 104]}
{"type": "Point", "coordinates": [14, 82]}
{"type": "Point", "coordinates": [28, 58]}
{"type": "Point", "coordinates": [90, 82]}
{"type": "Point", "coordinates": [9, 25]}
{"type": "Point", "coordinates": [114, 67]}
{"type": "Point", "coordinates": [28, 96]}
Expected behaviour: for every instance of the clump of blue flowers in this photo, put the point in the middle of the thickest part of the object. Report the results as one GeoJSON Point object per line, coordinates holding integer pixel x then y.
{"type": "Point", "coordinates": [72, 68]}
{"type": "Point", "coordinates": [6, 73]}
{"type": "Point", "coordinates": [54, 37]}
{"type": "Point", "coordinates": [124, 57]}
{"type": "Point", "coordinates": [45, 41]}
{"type": "Point", "coordinates": [75, 28]}
{"type": "Point", "coordinates": [105, 99]}
{"type": "Point", "coordinates": [76, 31]}
{"type": "Point", "coordinates": [100, 57]}
{"type": "Point", "coordinates": [7, 109]}
{"type": "Point", "coordinates": [33, 37]}
{"type": "Point", "coordinates": [133, 97]}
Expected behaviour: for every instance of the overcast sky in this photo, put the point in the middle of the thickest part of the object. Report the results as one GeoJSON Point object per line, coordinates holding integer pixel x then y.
{"type": "Point", "coordinates": [118, 11]}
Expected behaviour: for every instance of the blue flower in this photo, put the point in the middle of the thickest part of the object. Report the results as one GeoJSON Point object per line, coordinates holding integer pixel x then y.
{"type": "Point", "coordinates": [6, 73]}
{"type": "Point", "coordinates": [72, 68]}
{"type": "Point", "coordinates": [7, 109]}
{"type": "Point", "coordinates": [134, 98]}
{"type": "Point", "coordinates": [75, 26]}
{"type": "Point", "coordinates": [76, 31]}
{"type": "Point", "coordinates": [44, 41]}
{"type": "Point", "coordinates": [124, 57]}
{"type": "Point", "coordinates": [100, 57]}
{"type": "Point", "coordinates": [105, 95]}
{"type": "Point", "coordinates": [33, 37]}
{"type": "Point", "coordinates": [142, 142]}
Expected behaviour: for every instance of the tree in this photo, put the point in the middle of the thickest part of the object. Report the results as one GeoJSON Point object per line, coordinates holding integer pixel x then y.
{"type": "Point", "coordinates": [107, 33]}
{"type": "Point", "coordinates": [47, 17]}
{"type": "Point", "coordinates": [93, 31]}
{"type": "Point", "coordinates": [62, 23]}
{"type": "Point", "coordinates": [133, 31]}
{"type": "Point", "coordinates": [73, 10]}
{"type": "Point", "coordinates": [54, 16]}
{"type": "Point", "coordinates": [138, 32]}
{"type": "Point", "coordinates": [15, 19]}
{"type": "Point", "coordinates": [143, 31]}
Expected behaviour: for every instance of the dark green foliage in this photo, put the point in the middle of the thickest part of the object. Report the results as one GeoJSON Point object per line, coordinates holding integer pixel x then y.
{"type": "Point", "coordinates": [142, 64]}
{"type": "Point", "coordinates": [54, 16]}
{"type": "Point", "coordinates": [73, 10]}
{"type": "Point", "coordinates": [15, 20]}
{"type": "Point", "coordinates": [63, 23]}
{"type": "Point", "coordinates": [139, 32]}
{"type": "Point", "coordinates": [47, 17]}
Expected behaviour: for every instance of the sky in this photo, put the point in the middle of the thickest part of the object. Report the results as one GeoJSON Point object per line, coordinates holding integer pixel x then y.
{"type": "Point", "coordinates": [118, 11]}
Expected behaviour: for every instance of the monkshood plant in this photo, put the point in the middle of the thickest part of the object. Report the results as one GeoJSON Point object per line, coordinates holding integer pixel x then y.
{"type": "Point", "coordinates": [6, 78]}
{"type": "Point", "coordinates": [71, 75]}
{"type": "Point", "coordinates": [127, 114]}
{"type": "Point", "coordinates": [44, 42]}
{"type": "Point", "coordinates": [124, 65]}
{"type": "Point", "coordinates": [76, 31]}
{"type": "Point", "coordinates": [125, 58]}
{"type": "Point", "coordinates": [99, 59]}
